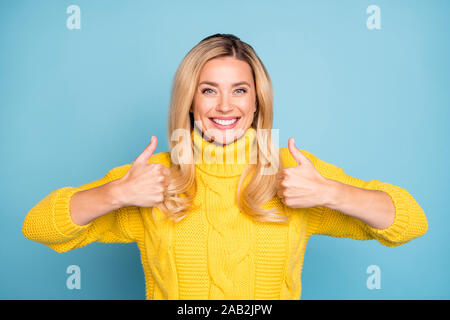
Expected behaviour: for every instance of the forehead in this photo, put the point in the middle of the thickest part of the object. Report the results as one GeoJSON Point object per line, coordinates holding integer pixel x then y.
{"type": "Point", "coordinates": [223, 68]}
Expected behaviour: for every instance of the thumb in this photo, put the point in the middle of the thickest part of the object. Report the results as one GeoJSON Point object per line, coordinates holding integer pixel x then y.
{"type": "Point", "coordinates": [296, 153]}
{"type": "Point", "coordinates": [148, 151]}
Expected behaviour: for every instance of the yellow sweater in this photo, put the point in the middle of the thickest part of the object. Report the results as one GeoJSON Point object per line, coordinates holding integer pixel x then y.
{"type": "Point", "coordinates": [217, 252]}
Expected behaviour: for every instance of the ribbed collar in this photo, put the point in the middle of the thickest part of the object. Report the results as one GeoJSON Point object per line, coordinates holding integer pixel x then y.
{"type": "Point", "coordinates": [223, 160]}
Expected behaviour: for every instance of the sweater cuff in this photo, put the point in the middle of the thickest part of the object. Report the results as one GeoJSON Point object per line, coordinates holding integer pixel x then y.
{"type": "Point", "coordinates": [62, 218]}
{"type": "Point", "coordinates": [397, 230]}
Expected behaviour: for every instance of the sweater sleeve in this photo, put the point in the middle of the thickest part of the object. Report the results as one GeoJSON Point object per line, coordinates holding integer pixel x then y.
{"type": "Point", "coordinates": [49, 222]}
{"type": "Point", "coordinates": [410, 221]}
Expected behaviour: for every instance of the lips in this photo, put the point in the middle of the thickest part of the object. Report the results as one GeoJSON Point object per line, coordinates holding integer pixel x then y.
{"type": "Point", "coordinates": [224, 122]}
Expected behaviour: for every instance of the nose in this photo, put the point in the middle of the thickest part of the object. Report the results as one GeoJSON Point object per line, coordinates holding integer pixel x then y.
{"type": "Point", "coordinates": [224, 104]}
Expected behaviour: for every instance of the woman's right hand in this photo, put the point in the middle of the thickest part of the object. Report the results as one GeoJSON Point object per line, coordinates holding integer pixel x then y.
{"type": "Point", "coordinates": [144, 185]}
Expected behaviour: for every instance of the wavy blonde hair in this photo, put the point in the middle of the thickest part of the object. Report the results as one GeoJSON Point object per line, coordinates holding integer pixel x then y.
{"type": "Point", "coordinates": [254, 188]}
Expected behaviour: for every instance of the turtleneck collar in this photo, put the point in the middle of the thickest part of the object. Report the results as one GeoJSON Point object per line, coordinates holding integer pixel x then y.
{"type": "Point", "coordinates": [223, 160]}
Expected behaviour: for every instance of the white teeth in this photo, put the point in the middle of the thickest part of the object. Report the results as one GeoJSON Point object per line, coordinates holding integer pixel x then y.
{"type": "Point", "coordinates": [225, 122]}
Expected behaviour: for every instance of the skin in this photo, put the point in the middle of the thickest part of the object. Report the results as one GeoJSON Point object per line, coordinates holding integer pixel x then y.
{"type": "Point", "coordinates": [224, 99]}
{"type": "Point", "coordinates": [301, 186]}
{"type": "Point", "coordinates": [144, 185]}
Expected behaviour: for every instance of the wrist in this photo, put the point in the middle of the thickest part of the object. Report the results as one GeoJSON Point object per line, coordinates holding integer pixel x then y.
{"type": "Point", "coordinates": [115, 195]}
{"type": "Point", "coordinates": [332, 193]}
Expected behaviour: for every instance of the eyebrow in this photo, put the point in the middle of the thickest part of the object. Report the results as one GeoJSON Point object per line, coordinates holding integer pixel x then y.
{"type": "Point", "coordinates": [214, 84]}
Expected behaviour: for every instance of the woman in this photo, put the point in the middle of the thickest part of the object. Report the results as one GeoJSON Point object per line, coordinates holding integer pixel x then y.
{"type": "Point", "coordinates": [225, 214]}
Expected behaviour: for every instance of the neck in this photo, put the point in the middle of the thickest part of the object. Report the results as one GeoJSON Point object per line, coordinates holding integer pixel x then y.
{"type": "Point", "coordinates": [224, 160]}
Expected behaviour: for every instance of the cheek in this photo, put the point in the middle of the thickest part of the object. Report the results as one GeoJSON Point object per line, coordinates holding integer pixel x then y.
{"type": "Point", "coordinates": [249, 108]}
{"type": "Point", "coordinates": [249, 105]}
{"type": "Point", "coordinates": [200, 107]}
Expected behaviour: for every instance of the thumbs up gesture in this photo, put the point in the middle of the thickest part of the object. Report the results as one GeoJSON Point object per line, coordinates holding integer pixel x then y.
{"type": "Point", "coordinates": [144, 184]}
{"type": "Point", "coordinates": [301, 186]}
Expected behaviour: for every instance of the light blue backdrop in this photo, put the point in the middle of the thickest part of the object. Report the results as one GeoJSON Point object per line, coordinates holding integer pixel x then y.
{"type": "Point", "coordinates": [76, 103]}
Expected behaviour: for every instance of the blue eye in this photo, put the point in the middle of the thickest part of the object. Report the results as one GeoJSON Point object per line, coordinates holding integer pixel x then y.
{"type": "Point", "coordinates": [243, 90]}
{"type": "Point", "coordinates": [204, 90]}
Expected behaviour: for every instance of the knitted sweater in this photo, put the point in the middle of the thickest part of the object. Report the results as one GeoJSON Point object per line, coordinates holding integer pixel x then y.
{"type": "Point", "coordinates": [217, 252]}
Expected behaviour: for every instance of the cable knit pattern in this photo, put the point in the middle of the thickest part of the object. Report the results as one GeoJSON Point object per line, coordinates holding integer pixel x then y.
{"type": "Point", "coordinates": [217, 251]}
{"type": "Point", "coordinates": [230, 255]}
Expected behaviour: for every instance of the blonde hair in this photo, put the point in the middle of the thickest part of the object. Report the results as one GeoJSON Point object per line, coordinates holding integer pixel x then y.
{"type": "Point", "coordinates": [254, 188]}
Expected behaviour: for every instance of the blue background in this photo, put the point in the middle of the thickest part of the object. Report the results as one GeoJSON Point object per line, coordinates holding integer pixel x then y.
{"type": "Point", "coordinates": [77, 103]}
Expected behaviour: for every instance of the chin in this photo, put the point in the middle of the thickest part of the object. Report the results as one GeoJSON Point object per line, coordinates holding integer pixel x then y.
{"type": "Point", "coordinates": [226, 137]}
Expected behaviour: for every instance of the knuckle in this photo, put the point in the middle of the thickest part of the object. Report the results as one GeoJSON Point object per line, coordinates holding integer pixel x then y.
{"type": "Point", "coordinates": [156, 166]}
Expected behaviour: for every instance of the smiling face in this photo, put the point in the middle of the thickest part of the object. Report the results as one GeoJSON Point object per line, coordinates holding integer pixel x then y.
{"type": "Point", "coordinates": [225, 99]}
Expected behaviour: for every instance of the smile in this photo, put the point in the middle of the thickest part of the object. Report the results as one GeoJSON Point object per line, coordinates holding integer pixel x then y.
{"type": "Point", "coordinates": [224, 123]}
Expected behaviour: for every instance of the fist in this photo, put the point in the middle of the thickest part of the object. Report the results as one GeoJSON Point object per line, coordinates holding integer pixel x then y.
{"type": "Point", "coordinates": [301, 186]}
{"type": "Point", "coordinates": [144, 185]}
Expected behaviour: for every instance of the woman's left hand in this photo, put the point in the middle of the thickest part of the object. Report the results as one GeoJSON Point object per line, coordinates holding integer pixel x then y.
{"type": "Point", "coordinates": [302, 186]}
